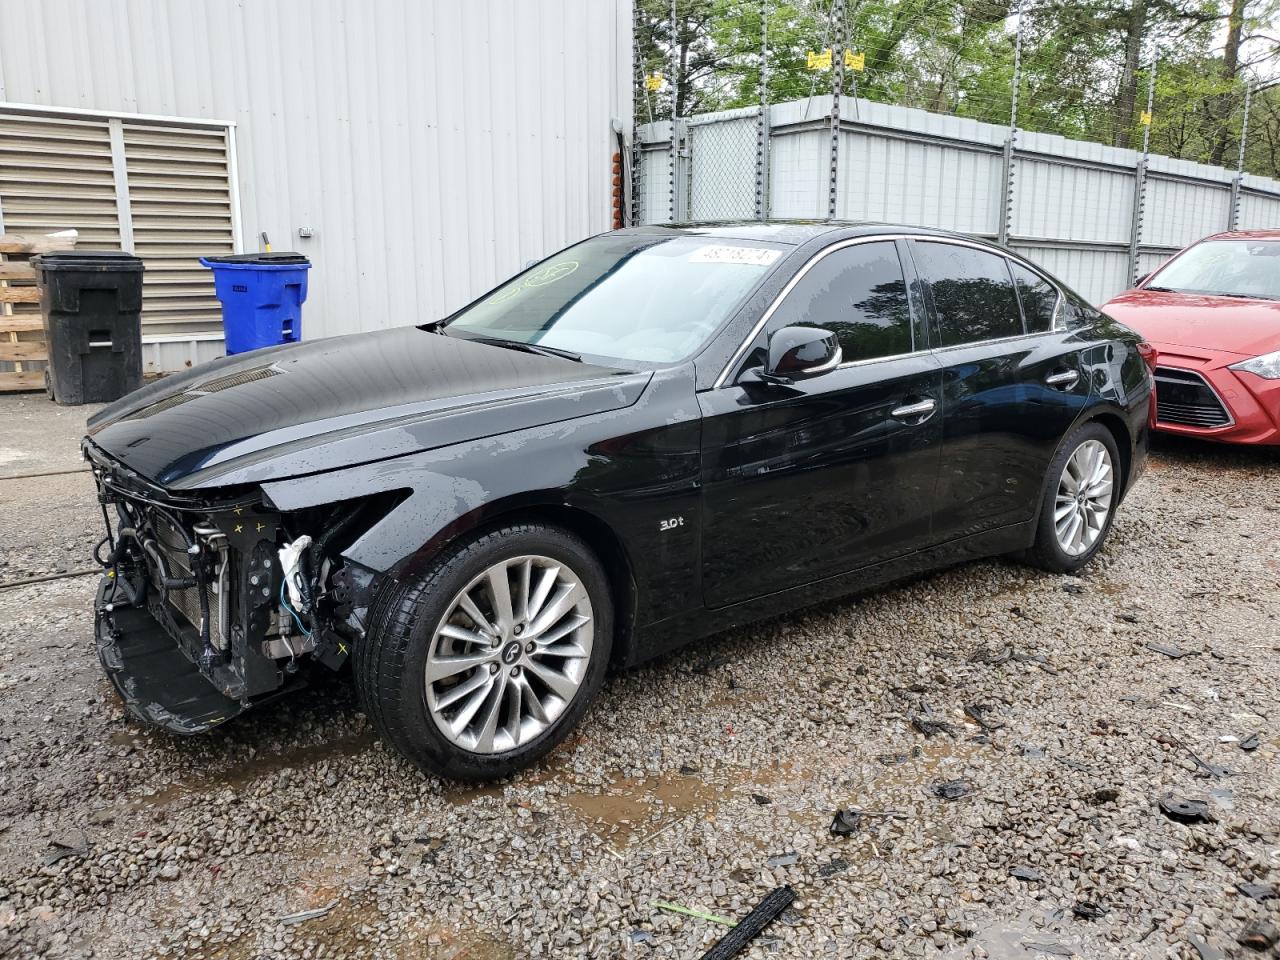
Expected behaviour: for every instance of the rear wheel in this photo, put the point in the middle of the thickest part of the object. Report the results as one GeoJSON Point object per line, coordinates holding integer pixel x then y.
{"type": "Point", "coordinates": [485, 663]}
{"type": "Point", "coordinates": [1080, 498]}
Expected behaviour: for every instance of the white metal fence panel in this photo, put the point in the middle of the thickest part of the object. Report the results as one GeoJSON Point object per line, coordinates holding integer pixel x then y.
{"type": "Point", "coordinates": [1179, 211]}
{"type": "Point", "coordinates": [1259, 211]}
{"type": "Point", "coordinates": [798, 183]}
{"type": "Point", "coordinates": [1062, 201]}
{"type": "Point", "coordinates": [951, 187]}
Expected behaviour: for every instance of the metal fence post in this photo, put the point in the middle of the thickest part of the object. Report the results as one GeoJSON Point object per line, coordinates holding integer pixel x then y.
{"type": "Point", "coordinates": [1011, 144]}
{"type": "Point", "coordinates": [1237, 185]}
{"type": "Point", "coordinates": [640, 93]}
{"type": "Point", "coordinates": [675, 100]}
{"type": "Point", "coordinates": [1140, 177]}
{"type": "Point", "coordinates": [762, 122]}
{"type": "Point", "coordinates": [837, 91]}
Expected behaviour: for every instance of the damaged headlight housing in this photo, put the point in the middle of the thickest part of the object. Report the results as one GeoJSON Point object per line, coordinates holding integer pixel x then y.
{"type": "Point", "coordinates": [1266, 366]}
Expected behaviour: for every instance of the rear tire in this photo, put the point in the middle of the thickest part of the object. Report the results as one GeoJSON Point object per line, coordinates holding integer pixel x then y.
{"type": "Point", "coordinates": [486, 662]}
{"type": "Point", "coordinates": [1082, 490]}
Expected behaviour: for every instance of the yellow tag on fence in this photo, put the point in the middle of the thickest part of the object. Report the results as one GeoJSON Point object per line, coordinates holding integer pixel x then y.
{"type": "Point", "coordinates": [855, 61]}
{"type": "Point", "coordinates": [1146, 118]}
{"type": "Point", "coordinates": [818, 61]}
{"type": "Point", "coordinates": [655, 82]}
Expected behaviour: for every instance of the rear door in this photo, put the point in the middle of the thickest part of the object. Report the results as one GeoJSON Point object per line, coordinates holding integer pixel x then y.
{"type": "Point", "coordinates": [1013, 383]}
{"type": "Point", "coordinates": [807, 481]}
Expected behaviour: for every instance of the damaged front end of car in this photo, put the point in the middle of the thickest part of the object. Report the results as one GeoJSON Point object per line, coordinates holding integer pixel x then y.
{"type": "Point", "coordinates": [211, 605]}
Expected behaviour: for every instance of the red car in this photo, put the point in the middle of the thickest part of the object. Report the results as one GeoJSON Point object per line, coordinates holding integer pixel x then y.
{"type": "Point", "coordinates": [1213, 315]}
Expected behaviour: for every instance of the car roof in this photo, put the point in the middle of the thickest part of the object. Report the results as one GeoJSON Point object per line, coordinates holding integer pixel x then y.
{"type": "Point", "coordinates": [792, 232]}
{"type": "Point", "coordinates": [1246, 235]}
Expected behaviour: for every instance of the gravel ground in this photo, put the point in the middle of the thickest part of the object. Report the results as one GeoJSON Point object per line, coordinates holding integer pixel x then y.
{"type": "Point", "coordinates": [705, 779]}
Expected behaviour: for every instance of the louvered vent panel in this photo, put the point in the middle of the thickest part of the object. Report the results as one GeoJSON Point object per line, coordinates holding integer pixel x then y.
{"type": "Point", "coordinates": [180, 200]}
{"type": "Point", "coordinates": [55, 175]}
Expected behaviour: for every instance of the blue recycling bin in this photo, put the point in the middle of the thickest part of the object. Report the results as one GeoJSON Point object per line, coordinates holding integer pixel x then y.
{"type": "Point", "coordinates": [261, 296]}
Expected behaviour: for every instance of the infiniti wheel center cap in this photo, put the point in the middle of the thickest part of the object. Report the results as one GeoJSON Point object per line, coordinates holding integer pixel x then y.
{"type": "Point", "coordinates": [511, 652]}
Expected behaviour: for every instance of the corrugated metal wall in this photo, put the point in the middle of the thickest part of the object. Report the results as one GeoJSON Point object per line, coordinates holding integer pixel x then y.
{"type": "Point", "coordinates": [432, 148]}
{"type": "Point", "coordinates": [1072, 208]}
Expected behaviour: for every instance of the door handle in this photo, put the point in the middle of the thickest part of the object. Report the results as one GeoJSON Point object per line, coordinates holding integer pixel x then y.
{"type": "Point", "coordinates": [1066, 379]}
{"type": "Point", "coordinates": [922, 409]}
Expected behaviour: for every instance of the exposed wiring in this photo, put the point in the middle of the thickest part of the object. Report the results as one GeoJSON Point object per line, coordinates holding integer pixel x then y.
{"type": "Point", "coordinates": [296, 619]}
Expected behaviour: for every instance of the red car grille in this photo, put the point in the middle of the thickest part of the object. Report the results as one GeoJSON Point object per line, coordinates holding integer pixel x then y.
{"type": "Point", "coordinates": [1185, 399]}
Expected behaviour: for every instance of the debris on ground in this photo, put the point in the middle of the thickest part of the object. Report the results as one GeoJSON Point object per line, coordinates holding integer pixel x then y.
{"type": "Point", "coordinates": [696, 914]}
{"type": "Point", "coordinates": [640, 936]}
{"type": "Point", "coordinates": [1205, 950]}
{"type": "Point", "coordinates": [1088, 910]}
{"type": "Point", "coordinates": [782, 860]}
{"type": "Point", "coordinates": [836, 865]}
{"type": "Point", "coordinates": [1027, 875]}
{"type": "Point", "coordinates": [1258, 891]}
{"type": "Point", "coordinates": [977, 712]}
{"type": "Point", "coordinates": [996, 658]}
{"type": "Point", "coordinates": [1186, 811]}
{"type": "Point", "coordinates": [1104, 795]}
{"type": "Point", "coordinates": [1169, 650]}
{"type": "Point", "coordinates": [67, 845]}
{"type": "Point", "coordinates": [752, 925]}
{"type": "Point", "coordinates": [1251, 742]}
{"type": "Point", "coordinates": [1053, 949]}
{"type": "Point", "coordinates": [952, 789]}
{"type": "Point", "coordinates": [931, 728]}
{"type": "Point", "coordinates": [846, 822]}
{"type": "Point", "coordinates": [1259, 935]}
{"type": "Point", "coordinates": [760, 800]}
{"type": "Point", "coordinates": [305, 915]}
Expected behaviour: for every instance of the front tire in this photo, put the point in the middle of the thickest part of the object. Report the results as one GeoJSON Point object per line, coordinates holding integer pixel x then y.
{"type": "Point", "coordinates": [485, 663]}
{"type": "Point", "coordinates": [1081, 493]}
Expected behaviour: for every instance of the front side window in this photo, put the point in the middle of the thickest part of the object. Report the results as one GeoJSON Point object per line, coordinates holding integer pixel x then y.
{"type": "Point", "coordinates": [973, 293]}
{"type": "Point", "coordinates": [1039, 298]}
{"type": "Point", "coordinates": [1228, 268]}
{"type": "Point", "coordinates": [859, 294]}
{"type": "Point", "coordinates": [634, 298]}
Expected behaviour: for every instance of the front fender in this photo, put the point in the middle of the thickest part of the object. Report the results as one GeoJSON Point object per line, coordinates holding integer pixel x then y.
{"type": "Point", "coordinates": [632, 469]}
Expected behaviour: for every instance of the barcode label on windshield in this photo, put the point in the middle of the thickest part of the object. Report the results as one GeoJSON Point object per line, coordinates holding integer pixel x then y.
{"type": "Point", "coordinates": [721, 253]}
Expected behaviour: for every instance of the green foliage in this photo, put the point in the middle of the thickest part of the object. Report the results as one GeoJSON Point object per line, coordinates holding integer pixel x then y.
{"type": "Point", "coordinates": [1084, 64]}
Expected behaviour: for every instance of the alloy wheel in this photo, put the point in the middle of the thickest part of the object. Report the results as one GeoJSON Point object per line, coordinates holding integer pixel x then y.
{"type": "Point", "coordinates": [509, 654]}
{"type": "Point", "coordinates": [1084, 498]}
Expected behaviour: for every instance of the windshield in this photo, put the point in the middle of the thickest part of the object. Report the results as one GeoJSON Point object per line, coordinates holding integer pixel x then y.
{"type": "Point", "coordinates": [1232, 268]}
{"type": "Point", "coordinates": [628, 297]}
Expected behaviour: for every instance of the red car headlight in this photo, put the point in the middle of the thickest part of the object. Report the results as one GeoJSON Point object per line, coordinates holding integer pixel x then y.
{"type": "Point", "coordinates": [1266, 366]}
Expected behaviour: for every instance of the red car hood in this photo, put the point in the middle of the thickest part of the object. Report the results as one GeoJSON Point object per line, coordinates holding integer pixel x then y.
{"type": "Point", "coordinates": [1230, 324]}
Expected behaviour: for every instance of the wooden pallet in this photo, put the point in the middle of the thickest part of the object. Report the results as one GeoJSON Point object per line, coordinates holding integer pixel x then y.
{"type": "Point", "coordinates": [22, 340]}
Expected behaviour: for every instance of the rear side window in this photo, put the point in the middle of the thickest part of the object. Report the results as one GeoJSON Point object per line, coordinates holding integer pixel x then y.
{"type": "Point", "coordinates": [1038, 296]}
{"type": "Point", "coordinates": [859, 294]}
{"type": "Point", "coordinates": [973, 293]}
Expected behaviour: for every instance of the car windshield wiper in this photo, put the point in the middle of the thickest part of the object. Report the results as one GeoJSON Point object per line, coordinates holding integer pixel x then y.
{"type": "Point", "coordinates": [1161, 289]}
{"type": "Point", "coordinates": [528, 347]}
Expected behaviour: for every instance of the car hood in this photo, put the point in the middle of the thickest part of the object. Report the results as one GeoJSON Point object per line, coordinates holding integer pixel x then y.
{"type": "Point", "coordinates": [309, 407]}
{"type": "Point", "coordinates": [1230, 324]}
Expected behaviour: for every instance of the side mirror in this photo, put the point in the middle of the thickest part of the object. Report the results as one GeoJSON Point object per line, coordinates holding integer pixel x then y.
{"type": "Point", "coordinates": [798, 353]}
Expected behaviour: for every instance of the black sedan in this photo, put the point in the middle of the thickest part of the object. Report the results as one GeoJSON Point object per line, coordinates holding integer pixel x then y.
{"type": "Point", "coordinates": [653, 435]}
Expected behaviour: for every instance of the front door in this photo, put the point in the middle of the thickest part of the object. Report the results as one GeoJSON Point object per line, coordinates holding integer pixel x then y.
{"type": "Point", "coordinates": [811, 480]}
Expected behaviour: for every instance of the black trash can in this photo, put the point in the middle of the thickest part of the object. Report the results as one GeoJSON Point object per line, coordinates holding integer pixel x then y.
{"type": "Point", "coordinates": [92, 306]}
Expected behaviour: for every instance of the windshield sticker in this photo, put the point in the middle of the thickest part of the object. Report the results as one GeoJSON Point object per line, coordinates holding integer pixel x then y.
{"type": "Point", "coordinates": [749, 256]}
{"type": "Point", "coordinates": [551, 273]}
{"type": "Point", "coordinates": [502, 296]}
